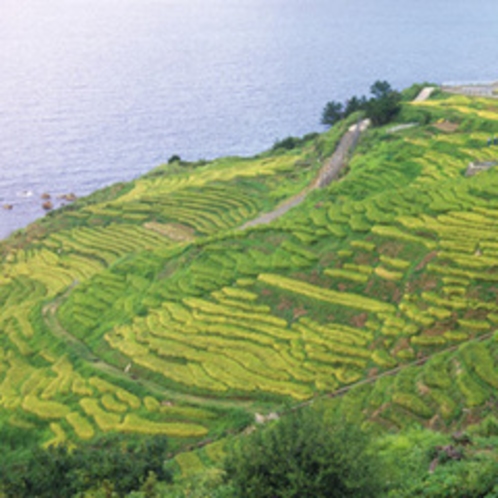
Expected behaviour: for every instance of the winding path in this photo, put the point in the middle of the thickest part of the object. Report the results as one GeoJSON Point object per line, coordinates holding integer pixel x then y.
{"type": "Point", "coordinates": [328, 172]}
{"type": "Point", "coordinates": [424, 94]}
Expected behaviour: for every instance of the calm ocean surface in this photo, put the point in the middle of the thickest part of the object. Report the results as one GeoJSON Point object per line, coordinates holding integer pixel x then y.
{"type": "Point", "coordinates": [97, 91]}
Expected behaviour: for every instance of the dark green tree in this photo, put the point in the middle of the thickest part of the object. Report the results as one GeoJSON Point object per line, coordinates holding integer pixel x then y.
{"type": "Point", "coordinates": [332, 112]}
{"type": "Point", "coordinates": [174, 159]}
{"type": "Point", "coordinates": [355, 104]}
{"type": "Point", "coordinates": [302, 457]}
{"type": "Point", "coordinates": [111, 461]}
{"type": "Point", "coordinates": [47, 473]}
{"type": "Point", "coordinates": [380, 89]}
{"type": "Point", "coordinates": [384, 105]}
{"type": "Point", "coordinates": [288, 143]}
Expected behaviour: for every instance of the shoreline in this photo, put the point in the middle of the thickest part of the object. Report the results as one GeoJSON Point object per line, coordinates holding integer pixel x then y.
{"type": "Point", "coordinates": [28, 206]}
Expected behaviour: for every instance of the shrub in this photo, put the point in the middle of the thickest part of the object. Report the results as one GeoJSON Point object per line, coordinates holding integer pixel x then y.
{"type": "Point", "coordinates": [413, 404]}
{"type": "Point", "coordinates": [301, 456]}
{"type": "Point", "coordinates": [384, 105]}
{"type": "Point", "coordinates": [174, 159]}
{"type": "Point", "coordinates": [57, 471]}
{"type": "Point", "coordinates": [288, 143]}
{"type": "Point", "coordinates": [332, 112]}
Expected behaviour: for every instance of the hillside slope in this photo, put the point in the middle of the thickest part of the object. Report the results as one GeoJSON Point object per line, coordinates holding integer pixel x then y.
{"type": "Point", "coordinates": [143, 309]}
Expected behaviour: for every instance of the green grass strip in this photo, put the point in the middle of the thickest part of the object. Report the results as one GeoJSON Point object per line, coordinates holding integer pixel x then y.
{"type": "Point", "coordinates": [331, 296]}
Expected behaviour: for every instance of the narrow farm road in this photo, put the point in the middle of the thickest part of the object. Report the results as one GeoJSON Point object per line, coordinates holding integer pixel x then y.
{"type": "Point", "coordinates": [424, 94]}
{"type": "Point", "coordinates": [328, 172]}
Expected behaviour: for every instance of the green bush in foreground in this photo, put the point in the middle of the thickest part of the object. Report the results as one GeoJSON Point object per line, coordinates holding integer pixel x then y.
{"type": "Point", "coordinates": [418, 465]}
{"type": "Point", "coordinates": [301, 456]}
{"type": "Point", "coordinates": [113, 463]}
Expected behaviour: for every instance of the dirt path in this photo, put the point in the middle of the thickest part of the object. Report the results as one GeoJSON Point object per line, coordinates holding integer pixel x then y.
{"type": "Point", "coordinates": [331, 169]}
{"type": "Point", "coordinates": [280, 210]}
{"type": "Point", "coordinates": [424, 94]}
{"type": "Point", "coordinates": [328, 172]}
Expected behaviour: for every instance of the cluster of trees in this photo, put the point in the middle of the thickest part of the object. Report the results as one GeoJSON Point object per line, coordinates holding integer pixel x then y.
{"type": "Point", "coordinates": [290, 143]}
{"type": "Point", "coordinates": [383, 105]}
{"type": "Point", "coordinates": [301, 456]}
{"type": "Point", "coordinates": [113, 463]}
{"type": "Point", "coordinates": [305, 455]}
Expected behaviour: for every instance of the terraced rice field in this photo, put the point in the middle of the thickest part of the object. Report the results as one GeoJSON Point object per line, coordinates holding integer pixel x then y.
{"type": "Point", "coordinates": [164, 319]}
{"type": "Point", "coordinates": [96, 263]}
